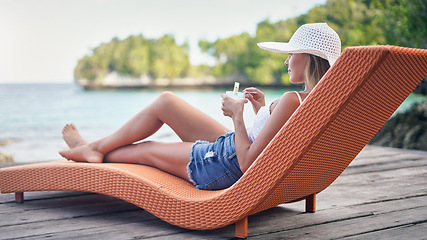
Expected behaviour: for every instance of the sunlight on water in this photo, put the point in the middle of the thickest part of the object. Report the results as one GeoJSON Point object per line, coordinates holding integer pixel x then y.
{"type": "Point", "coordinates": [33, 114]}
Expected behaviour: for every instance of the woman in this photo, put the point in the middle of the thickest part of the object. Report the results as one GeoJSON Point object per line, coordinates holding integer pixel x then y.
{"type": "Point", "coordinates": [210, 155]}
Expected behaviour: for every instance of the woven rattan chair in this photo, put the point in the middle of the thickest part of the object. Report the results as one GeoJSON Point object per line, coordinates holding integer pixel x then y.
{"type": "Point", "coordinates": [339, 117]}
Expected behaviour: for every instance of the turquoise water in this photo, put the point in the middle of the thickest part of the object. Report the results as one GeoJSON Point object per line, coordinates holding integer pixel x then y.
{"type": "Point", "coordinates": [33, 114]}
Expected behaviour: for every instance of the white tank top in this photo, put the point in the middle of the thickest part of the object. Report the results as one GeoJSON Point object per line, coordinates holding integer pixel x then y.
{"type": "Point", "coordinates": [261, 119]}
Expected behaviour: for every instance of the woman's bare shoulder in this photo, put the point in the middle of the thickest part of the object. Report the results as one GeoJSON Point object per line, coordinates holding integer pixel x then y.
{"type": "Point", "coordinates": [289, 98]}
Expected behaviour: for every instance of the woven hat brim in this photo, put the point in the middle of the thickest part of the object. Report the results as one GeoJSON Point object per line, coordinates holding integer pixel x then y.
{"type": "Point", "coordinates": [281, 47]}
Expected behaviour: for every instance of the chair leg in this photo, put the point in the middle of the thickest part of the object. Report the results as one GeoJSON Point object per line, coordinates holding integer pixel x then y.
{"type": "Point", "coordinates": [242, 228]}
{"type": "Point", "coordinates": [19, 197]}
{"type": "Point", "coordinates": [310, 203]}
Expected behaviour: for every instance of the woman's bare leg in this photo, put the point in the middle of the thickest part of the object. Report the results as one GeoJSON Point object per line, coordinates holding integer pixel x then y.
{"type": "Point", "coordinates": [189, 123]}
{"type": "Point", "coordinates": [169, 157]}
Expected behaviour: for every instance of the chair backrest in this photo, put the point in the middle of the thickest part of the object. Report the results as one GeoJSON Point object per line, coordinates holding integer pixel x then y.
{"type": "Point", "coordinates": [339, 117]}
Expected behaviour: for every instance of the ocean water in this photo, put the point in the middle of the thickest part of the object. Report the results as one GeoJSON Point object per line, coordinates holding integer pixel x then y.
{"type": "Point", "coordinates": [32, 115]}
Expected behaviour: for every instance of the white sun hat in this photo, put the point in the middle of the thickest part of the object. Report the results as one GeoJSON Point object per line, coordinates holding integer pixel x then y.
{"type": "Point", "coordinates": [315, 38]}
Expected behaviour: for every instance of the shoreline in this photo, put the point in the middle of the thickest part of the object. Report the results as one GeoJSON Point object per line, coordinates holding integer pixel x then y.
{"type": "Point", "coordinates": [187, 87]}
{"type": "Point", "coordinates": [115, 80]}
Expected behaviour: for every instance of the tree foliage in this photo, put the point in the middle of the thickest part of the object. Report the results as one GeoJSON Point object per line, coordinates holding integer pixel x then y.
{"type": "Point", "coordinates": [135, 56]}
{"type": "Point", "coordinates": [357, 22]}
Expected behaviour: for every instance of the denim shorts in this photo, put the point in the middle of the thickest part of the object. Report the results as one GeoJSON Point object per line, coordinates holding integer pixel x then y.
{"type": "Point", "coordinates": [214, 166]}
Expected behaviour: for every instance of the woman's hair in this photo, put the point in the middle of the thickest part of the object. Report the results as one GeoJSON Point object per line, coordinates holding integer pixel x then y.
{"type": "Point", "coordinates": [315, 68]}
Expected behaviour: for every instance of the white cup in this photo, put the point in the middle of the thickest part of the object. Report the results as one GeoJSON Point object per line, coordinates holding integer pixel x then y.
{"type": "Point", "coordinates": [235, 95]}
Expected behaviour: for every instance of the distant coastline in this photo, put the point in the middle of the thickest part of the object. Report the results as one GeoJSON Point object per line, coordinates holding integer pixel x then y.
{"type": "Point", "coordinates": [117, 81]}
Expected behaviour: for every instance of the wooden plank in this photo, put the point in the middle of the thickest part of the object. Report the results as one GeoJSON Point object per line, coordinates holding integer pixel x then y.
{"type": "Point", "coordinates": [131, 230]}
{"type": "Point", "coordinates": [376, 155]}
{"type": "Point", "coordinates": [363, 177]}
{"type": "Point", "coordinates": [336, 224]}
{"type": "Point", "coordinates": [411, 231]}
{"type": "Point", "coordinates": [46, 211]}
{"type": "Point", "coordinates": [7, 198]}
{"type": "Point", "coordinates": [385, 158]}
{"type": "Point", "coordinates": [65, 202]}
{"type": "Point", "coordinates": [374, 187]}
{"type": "Point", "coordinates": [392, 165]}
{"type": "Point", "coordinates": [356, 226]}
{"type": "Point", "coordinates": [29, 196]}
{"type": "Point", "coordinates": [383, 177]}
{"type": "Point", "coordinates": [71, 226]}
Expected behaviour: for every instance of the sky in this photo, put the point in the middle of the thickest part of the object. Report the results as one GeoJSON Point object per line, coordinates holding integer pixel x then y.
{"type": "Point", "coordinates": [42, 40]}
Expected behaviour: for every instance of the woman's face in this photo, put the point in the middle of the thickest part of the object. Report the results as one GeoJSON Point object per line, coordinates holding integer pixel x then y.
{"type": "Point", "coordinates": [296, 65]}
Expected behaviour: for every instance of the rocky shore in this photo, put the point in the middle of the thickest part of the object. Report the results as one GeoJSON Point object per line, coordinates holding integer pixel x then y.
{"type": "Point", "coordinates": [117, 81]}
{"type": "Point", "coordinates": [405, 130]}
{"type": "Point", "coordinates": [6, 158]}
{"type": "Point", "coordinates": [422, 87]}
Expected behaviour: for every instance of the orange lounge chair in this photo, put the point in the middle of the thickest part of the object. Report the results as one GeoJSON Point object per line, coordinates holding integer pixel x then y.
{"type": "Point", "coordinates": [339, 117]}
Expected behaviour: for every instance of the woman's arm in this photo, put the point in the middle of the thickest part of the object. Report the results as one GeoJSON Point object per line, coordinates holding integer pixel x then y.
{"type": "Point", "coordinates": [234, 109]}
{"type": "Point", "coordinates": [247, 152]}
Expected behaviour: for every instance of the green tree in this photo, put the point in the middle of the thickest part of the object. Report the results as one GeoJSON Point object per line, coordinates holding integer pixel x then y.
{"type": "Point", "coordinates": [357, 22]}
{"type": "Point", "coordinates": [86, 69]}
{"type": "Point", "coordinates": [135, 56]}
{"type": "Point", "coordinates": [168, 59]}
{"type": "Point", "coordinates": [138, 59]}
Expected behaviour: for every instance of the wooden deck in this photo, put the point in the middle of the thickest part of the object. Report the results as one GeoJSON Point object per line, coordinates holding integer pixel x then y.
{"type": "Point", "coordinates": [381, 195]}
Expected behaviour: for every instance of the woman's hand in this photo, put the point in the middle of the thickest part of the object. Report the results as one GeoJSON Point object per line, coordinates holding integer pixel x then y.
{"type": "Point", "coordinates": [231, 107]}
{"type": "Point", "coordinates": [256, 97]}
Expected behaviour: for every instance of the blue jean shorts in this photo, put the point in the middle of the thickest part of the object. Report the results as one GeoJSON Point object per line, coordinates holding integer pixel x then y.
{"type": "Point", "coordinates": [214, 166]}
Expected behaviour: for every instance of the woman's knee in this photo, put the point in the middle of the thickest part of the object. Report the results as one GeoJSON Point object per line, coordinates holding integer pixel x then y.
{"type": "Point", "coordinates": [165, 98]}
{"type": "Point", "coordinates": [165, 101]}
{"type": "Point", "coordinates": [168, 97]}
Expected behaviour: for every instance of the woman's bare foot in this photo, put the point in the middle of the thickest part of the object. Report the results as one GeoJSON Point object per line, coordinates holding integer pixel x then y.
{"type": "Point", "coordinates": [72, 137]}
{"type": "Point", "coordinates": [83, 153]}
{"type": "Point", "coordinates": [80, 149]}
